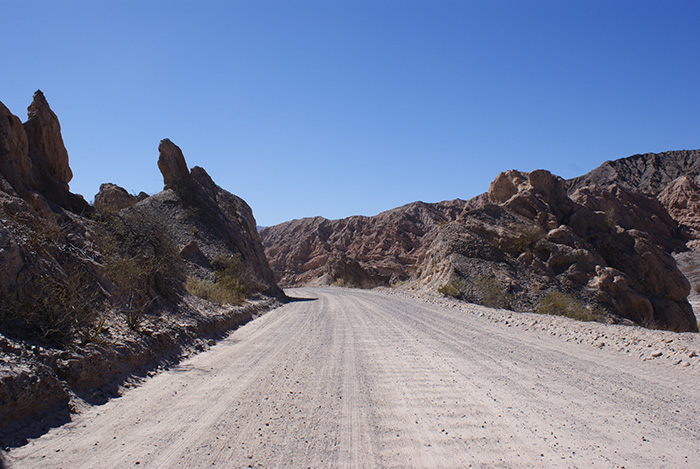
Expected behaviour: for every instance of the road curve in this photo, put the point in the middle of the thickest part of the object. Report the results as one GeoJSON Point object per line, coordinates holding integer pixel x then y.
{"type": "Point", "coordinates": [354, 378]}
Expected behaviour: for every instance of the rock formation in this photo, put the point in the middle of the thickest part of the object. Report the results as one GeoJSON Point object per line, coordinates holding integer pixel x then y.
{"type": "Point", "coordinates": [531, 239]}
{"type": "Point", "coordinates": [681, 197]}
{"type": "Point", "coordinates": [670, 177]}
{"type": "Point", "coordinates": [114, 198]}
{"type": "Point", "coordinates": [34, 159]}
{"type": "Point", "coordinates": [192, 208]}
{"type": "Point", "coordinates": [358, 251]}
{"type": "Point", "coordinates": [79, 285]}
{"type": "Point", "coordinates": [172, 163]}
{"type": "Point", "coordinates": [606, 245]}
{"type": "Point", "coordinates": [46, 150]}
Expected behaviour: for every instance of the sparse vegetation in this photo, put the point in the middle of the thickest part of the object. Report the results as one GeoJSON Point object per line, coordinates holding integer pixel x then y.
{"type": "Point", "coordinates": [141, 262]}
{"type": "Point", "coordinates": [492, 294]}
{"type": "Point", "coordinates": [696, 288]}
{"type": "Point", "coordinates": [58, 308]}
{"type": "Point", "coordinates": [561, 304]}
{"type": "Point", "coordinates": [233, 282]}
{"type": "Point", "coordinates": [522, 241]}
{"type": "Point", "coordinates": [611, 219]}
{"type": "Point", "coordinates": [455, 288]}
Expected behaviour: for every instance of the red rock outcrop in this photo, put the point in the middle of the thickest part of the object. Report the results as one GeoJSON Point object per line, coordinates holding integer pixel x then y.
{"type": "Point", "coordinates": [378, 249]}
{"type": "Point", "coordinates": [46, 149]}
{"type": "Point", "coordinates": [34, 160]}
{"type": "Point", "coordinates": [681, 198]}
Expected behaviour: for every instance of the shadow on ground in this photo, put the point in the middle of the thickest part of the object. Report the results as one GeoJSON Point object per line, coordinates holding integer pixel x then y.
{"type": "Point", "coordinates": [20, 433]}
{"type": "Point", "coordinates": [291, 299]}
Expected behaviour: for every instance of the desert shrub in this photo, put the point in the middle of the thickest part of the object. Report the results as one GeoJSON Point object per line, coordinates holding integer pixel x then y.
{"type": "Point", "coordinates": [611, 219]}
{"type": "Point", "coordinates": [233, 284]}
{"type": "Point", "coordinates": [492, 294]}
{"type": "Point", "coordinates": [213, 291]}
{"type": "Point", "coordinates": [696, 288]}
{"type": "Point", "coordinates": [341, 282]}
{"type": "Point", "coordinates": [141, 261]}
{"type": "Point", "coordinates": [454, 289]}
{"type": "Point", "coordinates": [561, 304]}
{"type": "Point", "coordinates": [58, 307]}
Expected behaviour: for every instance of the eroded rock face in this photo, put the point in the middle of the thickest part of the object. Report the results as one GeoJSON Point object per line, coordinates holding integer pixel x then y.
{"type": "Point", "coordinates": [194, 211]}
{"type": "Point", "coordinates": [681, 198]}
{"type": "Point", "coordinates": [15, 164]}
{"type": "Point", "coordinates": [528, 243]}
{"type": "Point", "coordinates": [385, 247]}
{"type": "Point", "coordinates": [172, 163]}
{"type": "Point", "coordinates": [669, 177]}
{"type": "Point", "coordinates": [33, 159]}
{"type": "Point", "coordinates": [46, 149]}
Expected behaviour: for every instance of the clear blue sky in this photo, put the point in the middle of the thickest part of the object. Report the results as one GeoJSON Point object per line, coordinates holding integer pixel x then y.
{"type": "Point", "coordinates": [343, 107]}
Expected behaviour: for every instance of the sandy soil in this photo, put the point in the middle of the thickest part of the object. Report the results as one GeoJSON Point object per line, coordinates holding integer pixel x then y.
{"type": "Point", "coordinates": [361, 379]}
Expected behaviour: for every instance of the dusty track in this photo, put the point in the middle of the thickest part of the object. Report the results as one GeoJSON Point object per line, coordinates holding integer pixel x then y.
{"type": "Point", "coordinates": [360, 379]}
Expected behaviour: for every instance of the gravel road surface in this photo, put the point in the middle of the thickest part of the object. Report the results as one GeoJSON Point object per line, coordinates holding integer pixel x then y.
{"type": "Point", "coordinates": [349, 378]}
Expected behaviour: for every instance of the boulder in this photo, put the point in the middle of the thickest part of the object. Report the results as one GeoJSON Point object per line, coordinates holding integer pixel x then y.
{"type": "Point", "coordinates": [113, 198]}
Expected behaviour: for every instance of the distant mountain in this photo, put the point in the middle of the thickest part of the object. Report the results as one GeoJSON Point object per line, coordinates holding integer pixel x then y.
{"type": "Point", "coordinates": [356, 251]}
{"type": "Point", "coordinates": [650, 173]}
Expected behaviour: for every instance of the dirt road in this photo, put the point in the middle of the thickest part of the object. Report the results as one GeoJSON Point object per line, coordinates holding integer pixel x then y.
{"type": "Point", "coordinates": [361, 379]}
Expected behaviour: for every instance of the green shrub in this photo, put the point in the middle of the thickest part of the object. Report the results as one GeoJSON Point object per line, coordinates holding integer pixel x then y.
{"type": "Point", "coordinates": [561, 304]}
{"type": "Point", "coordinates": [454, 288]}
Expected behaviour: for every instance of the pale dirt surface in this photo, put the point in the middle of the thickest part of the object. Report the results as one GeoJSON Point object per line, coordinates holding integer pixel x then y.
{"type": "Point", "coordinates": [364, 379]}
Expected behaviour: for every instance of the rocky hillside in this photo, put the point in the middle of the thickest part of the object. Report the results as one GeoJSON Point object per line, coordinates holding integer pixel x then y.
{"type": "Point", "coordinates": [598, 240]}
{"type": "Point", "coordinates": [356, 251]}
{"type": "Point", "coordinates": [671, 177]}
{"type": "Point", "coordinates": [88, 294]}
{"type": "Point", "coordinates": [530, 246]}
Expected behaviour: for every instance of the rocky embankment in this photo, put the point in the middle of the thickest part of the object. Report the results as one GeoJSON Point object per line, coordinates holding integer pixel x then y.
{"type": "Point", "coordinates": [91, 294]}
{"type": "Point", "coordinates": [40, 385]}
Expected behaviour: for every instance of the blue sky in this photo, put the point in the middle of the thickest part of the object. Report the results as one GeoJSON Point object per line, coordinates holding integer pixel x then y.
{"type": "Point", "coordinates": [341, 107]}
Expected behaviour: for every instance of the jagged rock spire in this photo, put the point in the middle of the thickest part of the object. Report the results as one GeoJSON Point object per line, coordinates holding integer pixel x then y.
{"type": "Point", "coordinates": [171, 163]}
